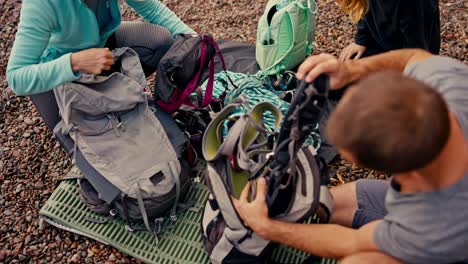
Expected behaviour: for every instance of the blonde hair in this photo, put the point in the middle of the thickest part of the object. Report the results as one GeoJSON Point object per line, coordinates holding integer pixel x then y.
{"type": "Point", "coordinates": [355, 9]}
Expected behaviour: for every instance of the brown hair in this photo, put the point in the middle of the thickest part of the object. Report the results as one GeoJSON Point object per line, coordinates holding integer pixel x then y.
{"type": "Point", "coordinates": [355, 9]}
{"type": "Point", "coordinates": [390, 123]}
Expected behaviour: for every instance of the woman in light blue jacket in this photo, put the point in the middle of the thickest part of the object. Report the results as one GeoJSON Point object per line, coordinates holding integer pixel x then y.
{"type": "Point", "coordinates": [59, 39]}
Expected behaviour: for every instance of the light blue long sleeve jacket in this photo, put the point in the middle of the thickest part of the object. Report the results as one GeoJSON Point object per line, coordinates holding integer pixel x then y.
{"type": "Point", "coordinates": [50, 30]}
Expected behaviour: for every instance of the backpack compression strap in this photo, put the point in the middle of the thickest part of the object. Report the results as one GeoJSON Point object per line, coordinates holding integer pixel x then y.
{"type": "Point", "coordinates": [304, 113]}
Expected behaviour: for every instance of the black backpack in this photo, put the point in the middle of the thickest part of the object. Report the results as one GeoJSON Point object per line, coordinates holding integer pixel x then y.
{"type": "Point", "coordinates": [297, 184]}
{"type": "Point", "coordinates": [181, 69]}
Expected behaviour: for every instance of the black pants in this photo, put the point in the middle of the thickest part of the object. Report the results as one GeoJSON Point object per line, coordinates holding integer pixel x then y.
{"type": "Point", "coordinates": [150, 42]}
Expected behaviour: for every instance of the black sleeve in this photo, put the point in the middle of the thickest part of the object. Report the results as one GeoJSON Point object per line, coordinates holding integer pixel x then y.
{"type": "Point", "coordinates": [414, 21]}
{"type": "Point", "coordinates": [363, 35]}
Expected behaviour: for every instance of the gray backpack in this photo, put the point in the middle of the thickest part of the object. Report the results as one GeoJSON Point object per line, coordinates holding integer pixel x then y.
{"type": "Point", "coordinates": [296, 188]}
{"type": "Point", "coordinates": [124, 140]}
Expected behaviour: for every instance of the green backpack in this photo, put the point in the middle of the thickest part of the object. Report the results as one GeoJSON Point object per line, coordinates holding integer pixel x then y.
{"type": "Point", "coordinates": [285, 34]}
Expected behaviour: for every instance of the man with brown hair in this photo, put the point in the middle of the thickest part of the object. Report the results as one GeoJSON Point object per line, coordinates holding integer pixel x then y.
{"type": "Point", "coordinates": [407, 116]}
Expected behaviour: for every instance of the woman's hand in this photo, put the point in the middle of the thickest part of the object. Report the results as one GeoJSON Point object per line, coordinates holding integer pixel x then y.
{"type": "Point", "coordinates": [339, 72]}
{"type": "Point", "coordinates": [254, 213]}
{"type": "Point", "coordinates": [348, 52]}
{"type": "Point", "coordinates": [92, 61]}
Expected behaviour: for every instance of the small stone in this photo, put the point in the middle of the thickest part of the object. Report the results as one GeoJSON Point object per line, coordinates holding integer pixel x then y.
{"type": "Point", "coordinates": [36, 130]}
{"type": "Point", "coordinates": [83, 254]}
{"type": "Point", "coordinates": [19, 188]}
{"type": "Point", "coordinates": [95, 249]}
{"type": "Point", "coordinates": [27, 240]}
{"type": "Point", "coordinates": [88, 260]}
{"type": "Point", "coordinates": [28, 121]}
{"type": "Point", "coordinates": [29, 218]}
{"type": "Point", "coordinates": [26, 135]}
{"type": "Point", "coordinates": [1, 165]}
{"type": "Point", "coordinates": [2, 255]}
{"type": "Point", "coordinates": [33, 248]}
{"type": "Point", "coordinates": [74, 259]}
{"type": "Point", "coordinates": [54, 174]}
{"type": "Point", "coordinates": [7, 213]}
{"type": "Point", "coordinates": [68, 241]}
{"type": "Point", "coordinates": [4, 228]}
{"type": "Point", "coordinates": [21, 257]}
{"type": "Point", "coordinates": [16, 154]}
{"type": "Point", "coordinates": [39, 185]}
{"type": "Point", "coordinates": [41, 224]}
{"type": "Point", "coordinates": [23, 143]}
{"type": "Point", "coordinates": [90, 253]}
{"type": "Point", "coordinates": [112, 257]}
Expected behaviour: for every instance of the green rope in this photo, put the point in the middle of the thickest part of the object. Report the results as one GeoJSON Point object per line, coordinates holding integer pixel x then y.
{"type": "Point", "coordinates": [254, 90]}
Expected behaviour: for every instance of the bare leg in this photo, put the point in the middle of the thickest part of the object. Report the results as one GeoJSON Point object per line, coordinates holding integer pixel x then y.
{"type": "Point", "coordinates": [345, 202]}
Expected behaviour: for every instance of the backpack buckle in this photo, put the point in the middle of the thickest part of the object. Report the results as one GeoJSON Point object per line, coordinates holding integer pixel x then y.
{"type": "Point", "coordinates": [113, 212]}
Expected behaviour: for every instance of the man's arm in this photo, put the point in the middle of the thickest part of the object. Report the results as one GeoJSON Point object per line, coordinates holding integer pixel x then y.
{"type": "Point", "coordinates": [343, 73]}
{"type": "Point", "coordinates": [325, 240]}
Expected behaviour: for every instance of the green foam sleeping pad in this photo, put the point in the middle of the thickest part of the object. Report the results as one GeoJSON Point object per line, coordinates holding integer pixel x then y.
{"type": "Point", "coordinates": [181, 244]}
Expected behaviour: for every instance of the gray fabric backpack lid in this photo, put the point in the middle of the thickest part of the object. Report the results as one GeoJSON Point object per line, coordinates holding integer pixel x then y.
{"type": "Point", "coordinates": [112, 125]}
{"type": "Point", "coordinates": [244, 155]}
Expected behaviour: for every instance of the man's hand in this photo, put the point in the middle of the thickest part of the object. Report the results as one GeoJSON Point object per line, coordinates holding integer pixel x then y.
{"type": "Point", "coordinates": [339, 72]}
{"type": "Point", "coordinates": [92, 61]}
{"type": "Point", "coordinates": [255, 213]}
{"type": "Point", "coordinates": [352, 49]}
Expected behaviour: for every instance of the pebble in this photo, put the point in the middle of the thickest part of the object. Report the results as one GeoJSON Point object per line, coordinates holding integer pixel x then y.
{"type": "Point", "coordinates": [7, 213]}
{"type": "Point", "coordinates": [39, 185]}
{"type": "Point", "coordinates": [36, 130]}
{"type": "Point", "coordinates": [41, 224]}
{"type": "Point", "coordinates": [28, 121]}
{"type": "Point", "coordinates": [75, 258]}
{"type": "Point", "coordinates": [2, 255]}
{"type": "Point", "coordinates": [27, 239]}
{"type": "Point", "coordinates": [28, 218]}
{"type": "Point", "coordinates": [33, 248]}
{"type": "Point", "coordinates": [21, 257]}
{"type": "Point", "coordinates": [19, 188]}
{"type": "Point", "coordinates": [1, 165]}
{"type": "Point", "coordinates": [26, 135]}
{"type": "Point", "coordinates": [4, 228]}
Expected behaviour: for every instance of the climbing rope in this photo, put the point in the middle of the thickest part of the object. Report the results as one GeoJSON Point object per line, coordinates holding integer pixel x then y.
{"type": "Point", "coordinates": [253, 89]}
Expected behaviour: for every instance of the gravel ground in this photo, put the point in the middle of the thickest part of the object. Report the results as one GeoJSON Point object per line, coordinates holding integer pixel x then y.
{"type": "Point", "coordinates": [32, 161]}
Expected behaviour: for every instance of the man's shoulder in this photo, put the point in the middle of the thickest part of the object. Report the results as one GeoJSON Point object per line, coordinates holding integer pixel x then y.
{"type": "Point", "coordinates": [419, 227]}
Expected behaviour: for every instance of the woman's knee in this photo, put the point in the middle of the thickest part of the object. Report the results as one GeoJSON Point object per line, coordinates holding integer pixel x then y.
{"type": "Point", "coordinates": [150, 41]}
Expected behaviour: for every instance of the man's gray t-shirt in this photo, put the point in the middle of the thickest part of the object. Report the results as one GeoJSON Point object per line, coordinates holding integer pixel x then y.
{"type": "Point", "coordinates": [431, 227]}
